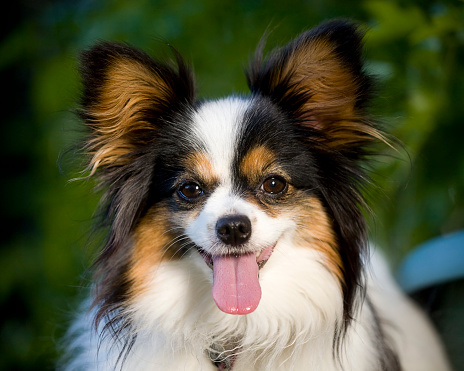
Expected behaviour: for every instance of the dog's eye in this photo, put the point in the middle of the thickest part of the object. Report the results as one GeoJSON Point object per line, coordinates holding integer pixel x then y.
{"type": "Point", "coordinates": [274, 185]}
{"type": "Point", "coordinates": [190, 190]}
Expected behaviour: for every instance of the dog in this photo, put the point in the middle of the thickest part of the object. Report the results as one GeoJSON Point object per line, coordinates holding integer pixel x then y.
{"type": "Point", "coordinates": [236, 236]}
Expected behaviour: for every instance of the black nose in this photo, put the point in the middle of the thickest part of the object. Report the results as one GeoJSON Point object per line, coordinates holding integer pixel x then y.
{"type": "Point", "coordinates": [234, 230]}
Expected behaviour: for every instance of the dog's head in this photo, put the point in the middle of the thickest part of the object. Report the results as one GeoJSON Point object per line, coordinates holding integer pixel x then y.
{"type": "Point", "coordinates": [229, 183]}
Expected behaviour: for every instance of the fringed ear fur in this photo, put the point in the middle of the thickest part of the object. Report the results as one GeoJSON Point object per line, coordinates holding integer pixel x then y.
{"type": "Point", "coordinates": [318, 78]}
{"type": "Point", "coordinates": [126, 94]}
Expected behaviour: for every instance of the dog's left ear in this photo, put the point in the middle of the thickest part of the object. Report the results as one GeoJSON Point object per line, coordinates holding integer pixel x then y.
{"type": "Point", "coordinates": [128, 98]}
{"type": "Point", "coordinates": [318, 78]}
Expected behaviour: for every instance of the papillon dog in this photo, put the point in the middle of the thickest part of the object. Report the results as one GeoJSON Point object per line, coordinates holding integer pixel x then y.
{"type": "Point", "coordinates": [236, 236]}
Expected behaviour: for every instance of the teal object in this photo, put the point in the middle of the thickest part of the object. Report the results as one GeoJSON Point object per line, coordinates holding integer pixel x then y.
{"type": "Point", "coordinates": [434, 262]}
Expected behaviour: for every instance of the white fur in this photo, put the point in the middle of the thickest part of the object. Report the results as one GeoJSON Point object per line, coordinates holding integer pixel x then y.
{"type": "Point", "coordinates": [412, 334]}
{"type": "Point", "coordinates": [177, 322]}
{"type": "Point", "coordinates": [216, 126]}
{"type": "Point", "coordinates": [292, 329]}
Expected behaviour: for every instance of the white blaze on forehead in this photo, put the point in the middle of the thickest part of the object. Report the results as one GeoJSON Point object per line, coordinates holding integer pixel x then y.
{"type": "Point", "coordinates": [216, 126]}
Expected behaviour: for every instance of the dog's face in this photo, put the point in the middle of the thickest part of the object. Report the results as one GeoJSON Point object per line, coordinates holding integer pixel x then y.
{"type": "Point", "coordinates": [235, 182]}
{"type": "Point", "coordinates": [243, 181]}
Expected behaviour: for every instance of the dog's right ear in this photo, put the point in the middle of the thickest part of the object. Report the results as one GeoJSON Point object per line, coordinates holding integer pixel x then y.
{"type": "Point", "coordinates": [318, 78]}
{"type": "Point", "coordinates": [126, 97]}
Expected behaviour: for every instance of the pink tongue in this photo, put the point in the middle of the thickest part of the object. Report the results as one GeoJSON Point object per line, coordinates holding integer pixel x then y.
{"type": "Point", "coordinates": [236, 289]}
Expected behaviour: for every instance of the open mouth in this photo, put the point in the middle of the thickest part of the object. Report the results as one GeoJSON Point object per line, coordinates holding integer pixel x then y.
{"type": "Point", "coordinates": [236, 288]}
{"type": "Point", "coordinates": [261, 257]}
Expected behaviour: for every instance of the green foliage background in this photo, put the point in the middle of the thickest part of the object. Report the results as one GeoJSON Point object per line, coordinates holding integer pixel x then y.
{"type": "Point", "coordinates": [414, 47]}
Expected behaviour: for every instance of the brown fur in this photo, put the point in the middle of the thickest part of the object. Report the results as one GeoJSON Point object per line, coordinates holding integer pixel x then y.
{"type": "Point", "coordinates": [201, 168]}
{"type": "Point", "coordinates": [129, 89]}
{"type": "Point", "coordinates": [256, 163]}
{"type": "Point", "coordinates": [315, 231]}
{"type": "Point", "coordinates": [154, 242]}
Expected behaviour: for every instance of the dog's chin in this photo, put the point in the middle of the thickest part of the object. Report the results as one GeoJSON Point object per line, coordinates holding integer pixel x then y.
{"type": "Point", "coordinates": [262, 256]}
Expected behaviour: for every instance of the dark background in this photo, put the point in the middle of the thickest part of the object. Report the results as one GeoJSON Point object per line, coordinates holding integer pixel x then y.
{"type": "Point", "coordinates": [414, 47]}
